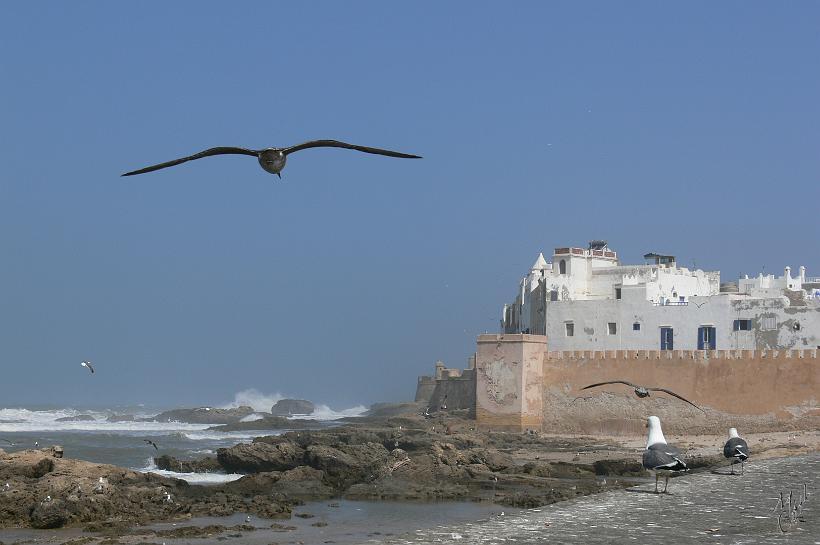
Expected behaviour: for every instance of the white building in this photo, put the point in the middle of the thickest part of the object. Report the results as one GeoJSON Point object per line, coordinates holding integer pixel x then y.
{"type": "Point", "coordinates": [586, 300]}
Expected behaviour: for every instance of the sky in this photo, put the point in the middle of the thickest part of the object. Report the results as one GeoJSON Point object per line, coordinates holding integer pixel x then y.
{"type": "Point", "coordinates": [691, 129]}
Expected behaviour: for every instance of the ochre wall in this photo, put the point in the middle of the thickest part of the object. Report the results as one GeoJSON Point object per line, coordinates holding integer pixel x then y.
{"type": "Point", "coordinates": [520, 385]}
{"type": "Point", "coordinates": [747, 382]}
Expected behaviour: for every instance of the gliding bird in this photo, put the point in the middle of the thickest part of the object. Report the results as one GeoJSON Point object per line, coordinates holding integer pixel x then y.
{"type": "Point", "coordinates": [643, 391]}
{"type": "Point", "coordinates": [273, 159]}
{"type": "Point", "coordinates": [88, 365]}
{"type": "Point", "coordinates": [151, 443]}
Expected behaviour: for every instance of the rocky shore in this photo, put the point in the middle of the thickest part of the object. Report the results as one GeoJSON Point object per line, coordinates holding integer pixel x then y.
{"type": "Point", "coordinates": [405, 457]}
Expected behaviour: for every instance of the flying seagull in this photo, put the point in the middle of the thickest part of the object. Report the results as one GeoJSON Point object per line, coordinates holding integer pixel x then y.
{"type": "Point", "coordinates": [151, 443]}
{"type": "Point", "coordinates": [643, 391]}
{"type": "Point", "coordinates": [273, 159]}
{"type": "Point", "coordinates": [88, 365]}
{"type": "Point", "coordinates": [660, 457]}
{"type": "Point", "coordinates": [7, 441]}
{"type": "Point", "coordinates": [736, 449]}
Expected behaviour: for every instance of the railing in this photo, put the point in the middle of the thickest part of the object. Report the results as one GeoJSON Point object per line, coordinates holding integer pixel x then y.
{"type": "Point", "coordinates": [670, 303]}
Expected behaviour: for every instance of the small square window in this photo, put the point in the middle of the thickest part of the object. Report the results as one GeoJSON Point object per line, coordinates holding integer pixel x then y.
{"type": "Point", "coordinates": [742, 325]}
{"type": "Point", "coordinates": [769, 322]}
{"type": "Point", "coordinates": [636, 326]}
{"type": "Point", "coordinates": [612, 328]}
{"type": "Point", "coordinates": [570, 329]}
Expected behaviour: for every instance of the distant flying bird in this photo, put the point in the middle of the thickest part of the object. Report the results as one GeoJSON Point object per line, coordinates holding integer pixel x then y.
{"type": "Point", "coordinates": [151, 443]}
{"type": "Point", "coordinates": [659, 456]}
{"type": "Point", "coordinates": [643, 391]}
{"type": "Point", "coordinates": [273, 159]}
{"type": "Point", "coordinates": [736, 449]}
{"type": "Point", "coordinates": [7, 441]}
{"type": "Point", "coordinates": [88, 365]}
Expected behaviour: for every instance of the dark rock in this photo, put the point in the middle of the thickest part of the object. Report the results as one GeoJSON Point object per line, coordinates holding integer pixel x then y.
{"type": "Point", "coordinates": [618, 467]}
{"type": "Point", "coordinates": [347, 464]}
{"type": "Point", "coordinates": [169, 463]}
{"type": "Point", "coordinates": [256, 457]}
{"type": "Point", "coordinates": [78, 418]}
{"type": "Point", "coordinates": [48, 515]}
{"type": "Point", "coordinates": [288, 407]}
{"type": "Point", "coordinates": [205, 415]}
{"type": "Point", "coordinates": [41, 468]}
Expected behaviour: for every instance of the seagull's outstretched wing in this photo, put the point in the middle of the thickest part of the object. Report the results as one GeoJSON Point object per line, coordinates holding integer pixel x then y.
{"type": "Point", "coordinates": [670, 392]}
{"type": "Point", "coordinates": [88, 365]}
{"type": "Point", "coordinates": [200, 155]}
{"type": "Point", "coordinates": [337, 144]}
{"type": "Point", "coordinates": [611, 382]}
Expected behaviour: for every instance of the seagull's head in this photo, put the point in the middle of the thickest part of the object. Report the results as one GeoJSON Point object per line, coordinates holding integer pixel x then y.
{"type": "Point", "coordinates": [733, 433]}
{"type": "Point", "coordinates": [272, 160]}
{"type": "Point", "coordinates": [655, 434]}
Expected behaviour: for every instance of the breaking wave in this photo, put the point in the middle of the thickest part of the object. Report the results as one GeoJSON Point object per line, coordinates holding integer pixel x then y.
{"type": "Point", "coordinates": [27, 420]}
{"type": "Point", "coordinates": [192, 478]}
{"type": "Point", "coordinates": [254, 398]}
{"type": "Point", "coordinates": [323, 412]}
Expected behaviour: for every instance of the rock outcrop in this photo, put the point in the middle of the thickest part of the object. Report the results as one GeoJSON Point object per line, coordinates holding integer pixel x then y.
{"type": "Point", "coordinates": [203, 465]}
{"type": "Point", "coordinates": [48, 492]}
{"type": "Point", "coordinates": [78, 418]}
{"type": "Point", "coordinates": [204, 415]}
{"type": "Point", "coordinates": [288, 407]}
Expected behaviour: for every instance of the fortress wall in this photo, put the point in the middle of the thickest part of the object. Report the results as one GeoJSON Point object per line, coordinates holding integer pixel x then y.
{"type": "Point", "coordinates": [509, 383]}
{"type": "Point", "coordinates": [520, 385]}
{"type": "Point", "coordinates": [746, 382]}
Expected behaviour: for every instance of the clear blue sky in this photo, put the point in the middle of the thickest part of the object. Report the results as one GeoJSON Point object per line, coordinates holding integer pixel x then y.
{"type": "Point", "coordinates": [690, 129]}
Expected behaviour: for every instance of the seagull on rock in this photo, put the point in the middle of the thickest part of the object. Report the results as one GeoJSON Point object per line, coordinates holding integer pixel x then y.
{"type": "Point", "coordinates": [87, 364]}
{"type": "Point", "coordinates": [659, 456]}
{"type": "Point", "coordinates": [273, 159]}
{"type": "Point", "coordinates": [736, 449]}
{"type": "Point", "coordinates": [643, 391]}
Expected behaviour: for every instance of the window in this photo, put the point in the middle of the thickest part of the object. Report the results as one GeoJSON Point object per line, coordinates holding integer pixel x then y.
{"type": "Point", "coordinates": [667, 338]}
{"type": "Point", "coordinates": [742, 325]}
{"type": "Point", "coordinates": [570, 329]}
{"type": "Point", "coordinates": [636, 326]}
{"type": "Point", "coordinates": [617, 293]}
{"type": "Point", "coordinates": [553, 295]}
{"type": "Point", "coordinates": [562, 266]}
{"type": "Point", "coordinates": [612, 328]}
{"type": "Point", "coordinates": [769, 322]}
{"type": "Point", "coordinates": [707, 338]}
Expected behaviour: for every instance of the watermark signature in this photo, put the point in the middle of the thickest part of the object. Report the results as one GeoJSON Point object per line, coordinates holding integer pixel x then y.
{"type": "Point", "coordinates": [789, 508]}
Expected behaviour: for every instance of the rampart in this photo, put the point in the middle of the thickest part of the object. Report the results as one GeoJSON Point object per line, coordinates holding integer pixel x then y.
{"type": "Point", "coordinates": [520, 384]}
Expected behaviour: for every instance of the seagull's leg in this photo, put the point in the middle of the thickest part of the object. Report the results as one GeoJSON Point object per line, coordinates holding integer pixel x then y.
{"type": "Point", "coordinates": [732, 466]}
{"type": "Point", "coordinates": [656, 482]}
{"type": "Point", "coordinates": [666, 484]}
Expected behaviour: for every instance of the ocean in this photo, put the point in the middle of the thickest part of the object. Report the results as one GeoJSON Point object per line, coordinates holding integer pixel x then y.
{"type": "Point", "coordinates": [123, 443]}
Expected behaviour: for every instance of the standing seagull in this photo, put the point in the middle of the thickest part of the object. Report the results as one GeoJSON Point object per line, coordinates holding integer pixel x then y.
{"type": "Point", "coordinates": [643, 391]}
{"type": "Point", "coordinates": [88, 365]}
{"type": "Point", "coordinates": [273, 159]}
{"type": "Point", "coordinates": [736, 449]}
{"type": "Point", "coordinates": [660, 457]}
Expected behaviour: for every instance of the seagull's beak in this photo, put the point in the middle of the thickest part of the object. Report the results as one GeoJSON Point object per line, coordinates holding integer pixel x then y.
{"type": "Point", "coordinates": [279, 174]}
